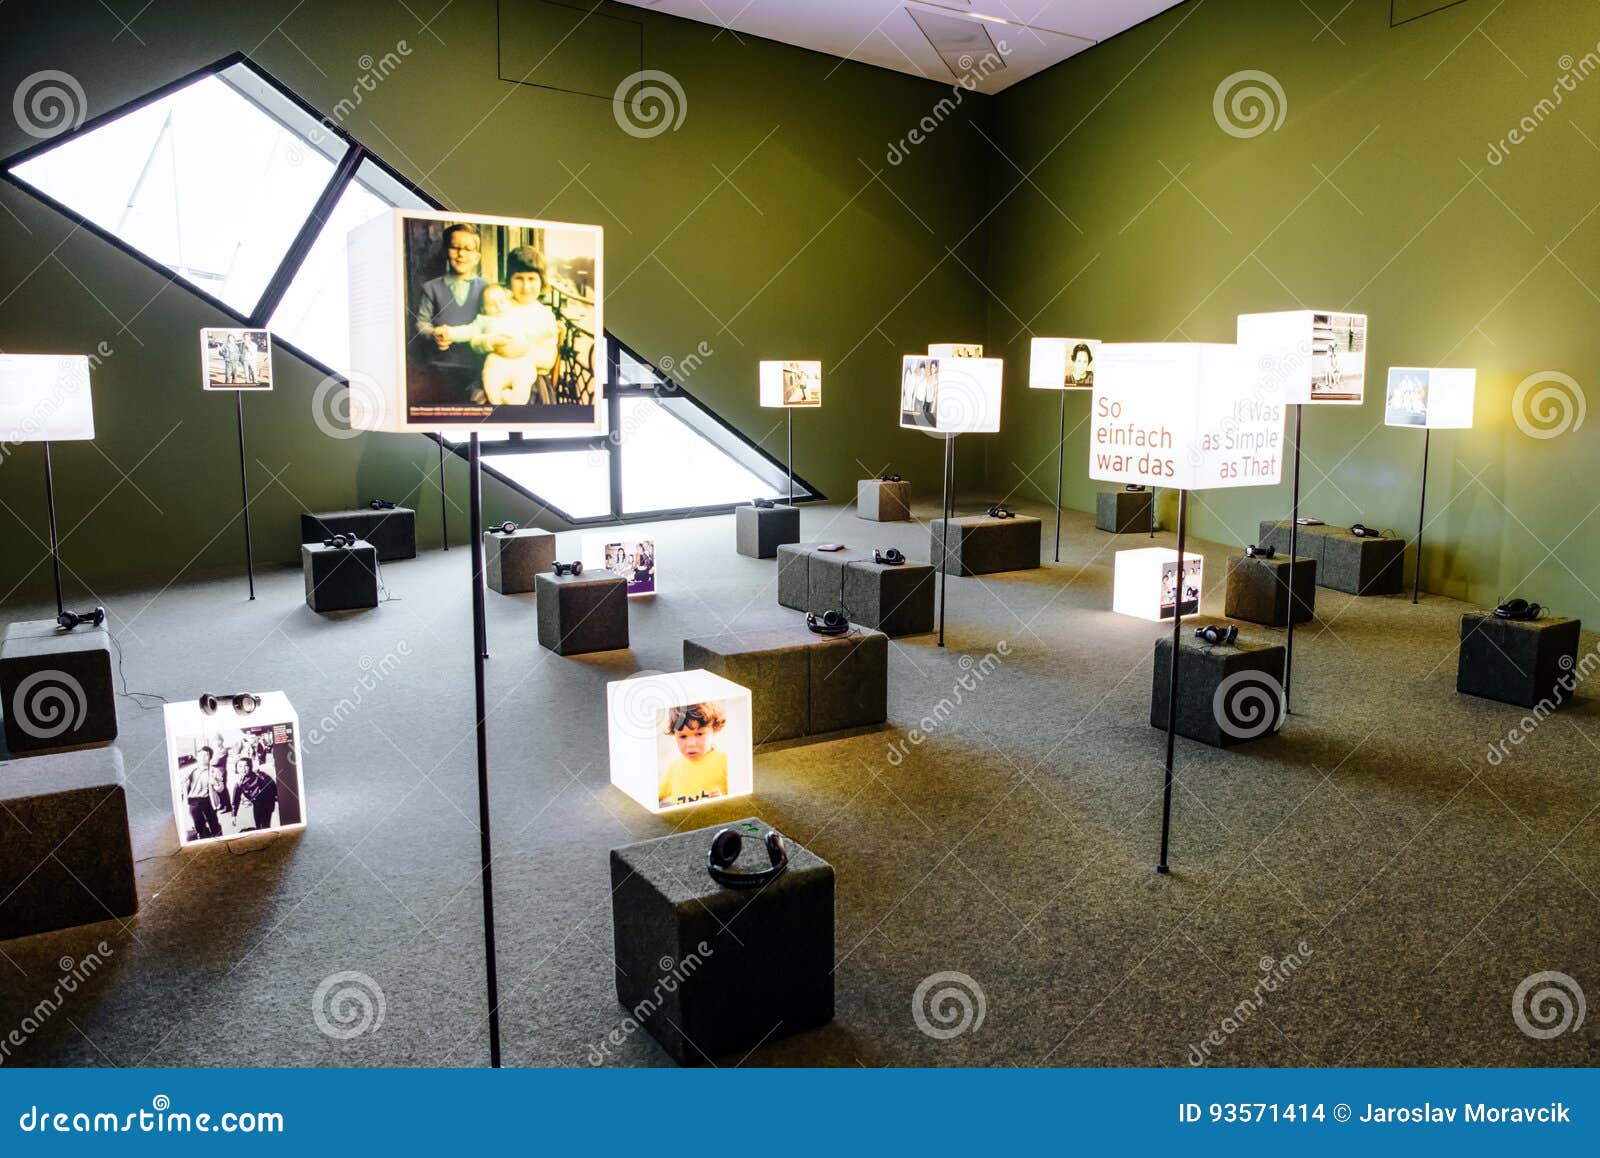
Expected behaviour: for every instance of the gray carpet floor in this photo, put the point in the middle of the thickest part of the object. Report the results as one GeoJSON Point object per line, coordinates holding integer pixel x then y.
{"type": "Point", "coordinates": [1415, 883]}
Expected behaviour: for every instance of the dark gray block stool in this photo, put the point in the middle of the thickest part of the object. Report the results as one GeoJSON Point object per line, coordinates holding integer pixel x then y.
{"type": "Point", "coordinates": [883, 501]}
{"type": "Point", "coordinates": [510, 562]}
{"type": "Point", "coordinates": [759, 531]}
{"type": "Point", "coordinates": [392, 533]}
{"type": "Point", "coordinates": [1520, 662]}
{"type": "Point", "coordinates": [582, 613]}
{"type": "Point", "coordinates": [794, 575]}
{"type": "Point", "coordinates": [340, 578]}
{"type": "Point", "coordinates": [55, 687]}
{"type": "Point", "coordinates": [896, 600]}
{"type": "Point", "coordinates": [801, 683]}
{"type": "Point", "coordinates": [1123, 512]}
{"type": "Point", "coordinates": [1258, 589]}
{"type": "Point", "coordinates": [712, 971]}
{"type": "Point", "coordinates": [979, 545]}
{"type": "Point", "coordinates": [1354, 564]}
{"type": "Point", "coordinates": [1226, 695]}
{"type": "Point", "coordinates": [65, 855]}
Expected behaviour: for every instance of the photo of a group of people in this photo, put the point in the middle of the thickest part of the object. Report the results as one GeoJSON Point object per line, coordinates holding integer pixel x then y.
{"type": "Point", "coordinates": [1338, 357]}
{"type": "Point", "coordinates": [636, 562]}
{"type": "Point", "coordinates": [1407, 403]}
{"type": "Point", "coordinates": [696, 747]}
{"type": "Point", "coordinates": [236, 359]}
{"type": "Point", "coordinates": [919, 392]}
{"type": "Point", "coordinates": [955, 350]}
{"type": "Point", "coordinates": [503, 321]}
{"type": "Point", "coordinates": [232, 775]}
{"type": "Point", "coordinates": [1191, 586]}
{"type": "Point", "coordinates": [791, 383]}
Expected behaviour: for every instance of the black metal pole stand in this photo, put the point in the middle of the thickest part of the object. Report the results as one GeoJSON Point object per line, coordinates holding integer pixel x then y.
{"type": "Point", "coordinates": [1294, 543]}
{"type": "Point", "coordinates": [1152, 512]}
{"type": "Point", "coordinates": [790, 414]}
{"type": "Point", "coordinates": [1422, 506]}
{"type": "Point", "coordinates": [1061, 452]}
{"type": "Point", "coordinates": [485, 857]}
{"type": "Point", "coordinates": [444, 503]}
{"type": "Point", "coordinates": [50, 503]}
{"type": "Point", "coordinates": [1172, 683]}
{"type": "Point", "coordinates": [244, 497]}
{"type": "Point", "coordinates": [944, 529]}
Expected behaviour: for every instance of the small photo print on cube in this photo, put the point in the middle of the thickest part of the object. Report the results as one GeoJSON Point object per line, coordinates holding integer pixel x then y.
{"type": "Point", "coordinates": [1338, 357]}
{"type": "Point", "coordinates": [236, 359]}
{"type": "Point", "coordinates": [1191, 586]}
{"type": "Point", "coordinates": [1407, 403]}
{"type": "Point", "coordinates": [234, 773]}
{"type": "Point", "coordinates": [635, 561]}
{"type": "Point", "coordinates": [919, 392]}
{"type": "Point", "coordinates": [701, 750]}
{"type": "Point", "coordinates": [955, 350]}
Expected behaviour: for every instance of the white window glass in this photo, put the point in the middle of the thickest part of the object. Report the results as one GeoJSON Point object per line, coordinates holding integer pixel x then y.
{"type": "Point", "coordinates": [315, 311]}
{"type": "Point", "coordinates": [669, 464]}
{"type": "Point", "coordinates": [202, 181]}
{"type": "Point", "coordinates": [576, 481]}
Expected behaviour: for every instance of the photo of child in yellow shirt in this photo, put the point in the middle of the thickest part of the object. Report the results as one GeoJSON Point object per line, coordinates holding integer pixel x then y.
{"type": "Point", "coordinates": [701, 770]}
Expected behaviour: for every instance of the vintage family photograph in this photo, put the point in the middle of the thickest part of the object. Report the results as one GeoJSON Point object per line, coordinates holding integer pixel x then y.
{"type": "Point", "coordinates": [503, 321]}
{"type": "Point", "coordinates": [1191, 586]}
{"type": "Point", "coordinates": [1407, 402]}
{"type": "Point", "coordinates": [236, 359]}
{"type": "Point", "coordinates": [919, 392]}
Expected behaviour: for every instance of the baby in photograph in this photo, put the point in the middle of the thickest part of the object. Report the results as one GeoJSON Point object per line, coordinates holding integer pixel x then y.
{"type": "Point", "coordinates": [516, 333]}
{"type": "Point", "coordinates": [701, 769]}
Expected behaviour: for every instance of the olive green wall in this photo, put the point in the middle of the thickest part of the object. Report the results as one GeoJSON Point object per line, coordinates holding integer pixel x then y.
{"type": "Point", "coordinates": [768, 225]}
{"type": "Point", "coordinates": [1377, 194]}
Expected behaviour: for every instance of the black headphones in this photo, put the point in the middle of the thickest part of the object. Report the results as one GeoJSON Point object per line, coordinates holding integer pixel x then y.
{"type": "Point", "coordinates": [343, 540]}
{"type": "Point", "coordinates": [381, 505]}
{"type": "Point", "coordinates": [764, 503]}
{"type": "Point", "coordinates": [1001, 511]}
{"type": "Point", "coordinates": [573, 568]}
{"type": "Point", "coordinates": [888, 556]}
{"type": "Point", "coordinates": [828, 623]}
{"type": "Point", "coordinates": [1519, 609]}
{"type": "Point", "coordinates": [504, 528]}
{"type": "Point", "coordinates": [889, 478]}
{"type": "Point", "coordinates": [1218, 634]}
{"type": "Point", "coordinates": [1255, 552]}
{"type": "Point", "coordinates": [243, 703]}
{"type": "Point", "coordinates": [1362, 531]}
{"type": "Point", "coordinates": [67, 620]}
{"type": "Point", "coordinates": [724, 852]}
{"type": "Point", "coordinates": [1134, 487]}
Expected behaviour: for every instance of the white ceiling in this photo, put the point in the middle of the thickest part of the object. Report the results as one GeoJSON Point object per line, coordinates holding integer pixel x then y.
{"type": "Point", "coordinates": [937, 39]}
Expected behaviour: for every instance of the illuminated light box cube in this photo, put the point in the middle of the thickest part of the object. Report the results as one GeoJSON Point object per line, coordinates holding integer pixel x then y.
{"type": "Point", "coordinates": [1146, 583]}
{"type": "Point", "coordinates": [1062, 363]}
{"type": "Point", "coordinates": [45, 398]}
{"type": "Point", "coordinates": [950, 395]}
{"type": "Point", "coordinates": [955, 350]}
{"type": "Point", "coordinates": [234, 773]}
{"type": "Point", "coordinates": [1435, 399]}
{"type": "Point", "coordinates": [680, 738]}
{"type": "Point", "coordinates": [785, 384]}
{"type": "Point", "coordinates": [1181, 414]}
{"type": "Point", "coordinates": [633, 559]}
{"type": "Point", "coordinates": [1305, 357]}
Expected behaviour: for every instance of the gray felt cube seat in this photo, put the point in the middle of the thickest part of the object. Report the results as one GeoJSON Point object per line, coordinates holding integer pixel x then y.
{"type": "Point", "coordinates": [1124, 512]}
{"type": "Point", "coordinates": [801, 683]}
{"type": "Point", "coordinates": [584, 613]}
{"type": "Point", "coordinates": [896, 599]}
{"type": "Point", "coordinates": [760, 531]}
{"type": "Point", "coordinates": [66, 857]}
{"type": "Point", "coordinates": [1522, 662]}
{"type": "Point", "coordinates": [1357, 565]}
{"type": "Point", "coordinates": [883, 500]}
{"type": "Point", "coordinates": [392, 532]}
{"type": "Point", "coordinates": [1226, 695]}
{"type": "Point", "coordinates": [981, 545]}
{"type": "Point", "coordinates": [1259, 589]}
{"type": "Point", "coordinates": [340, 578]}
{"type": "Point", "coordinates": [55, 687]}
{"type": "Point", "coordinates": [512, 561]}
{"type": "Point", "coordinates": [711, 971]}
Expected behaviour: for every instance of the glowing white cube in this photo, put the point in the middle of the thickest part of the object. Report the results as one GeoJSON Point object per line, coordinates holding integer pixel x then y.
{"type": "Point", "coordinates": [1434, 398]}
{"type": "Point", "coordinates": [680, 739]}
{"type": "Point", "coordinates": [1146, 583]}
{"type": "Point", "coordinates": [1306, 357]}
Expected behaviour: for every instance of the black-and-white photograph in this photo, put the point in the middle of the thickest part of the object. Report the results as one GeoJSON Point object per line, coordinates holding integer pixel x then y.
{"type": "Point", "coordinates": [919, 392]}
{"type": "Point", "coordinates": [236, 359]}
{"type": "Point", "coordinates": [1191, 586]}
{"type": "Point", "coordinates": [502, 321]}
{"type": "Point", "coordinates": [1407, 402]}
{"type": "Point", "coordinates": [233, 773]}
{"type": "Point", "coordinates": [1338, 357]}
